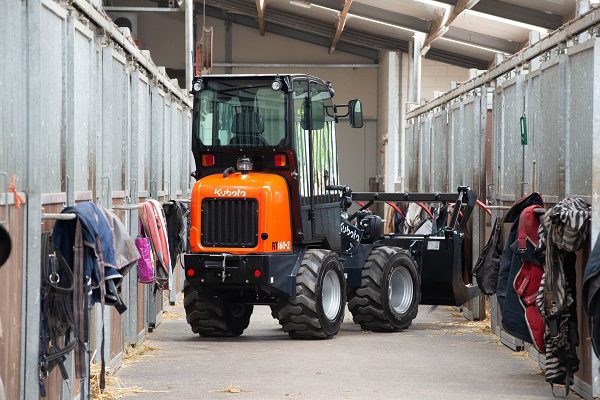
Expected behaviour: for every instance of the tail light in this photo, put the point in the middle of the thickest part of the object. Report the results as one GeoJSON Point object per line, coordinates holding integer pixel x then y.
{"type": "Point", "coordinates": [280, 160]}
{"type": "Point", "coordinates": [208, 160]}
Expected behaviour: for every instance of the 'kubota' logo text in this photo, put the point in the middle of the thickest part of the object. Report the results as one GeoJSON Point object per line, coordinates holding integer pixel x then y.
{"type": "Point", "coordinates": [230, 193]}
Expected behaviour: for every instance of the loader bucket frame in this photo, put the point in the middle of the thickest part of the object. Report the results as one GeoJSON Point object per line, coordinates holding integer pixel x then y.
{"type": "Point", "coordinates": [439, 254]}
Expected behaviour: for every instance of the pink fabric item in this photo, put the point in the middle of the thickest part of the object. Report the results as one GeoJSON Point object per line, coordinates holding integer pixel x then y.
{"type": "Point", "coordinates": [161, 223]}
{"type": "Point", "coordinates": [154, 224]}
{"type": "Point", "coordinates": [145, 267]}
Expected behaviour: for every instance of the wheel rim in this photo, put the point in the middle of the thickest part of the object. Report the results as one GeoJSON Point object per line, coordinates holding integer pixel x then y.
{"type": "Point", "coordinates": [400, 290]}
{"type": "Point", "coordinates": [331, 295]}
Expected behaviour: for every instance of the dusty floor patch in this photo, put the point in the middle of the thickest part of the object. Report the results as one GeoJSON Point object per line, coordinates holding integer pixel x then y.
{"type": "Point", "coordinates": [136, 353]}
{"type": "Point", "coordinates": [115, 388]}
{"type": "Point", "coordinates": [458, 325]}
{"type": "Point", "coordinates": [171, 315]}
{"type": "Point", "coordinates": [233, 389]}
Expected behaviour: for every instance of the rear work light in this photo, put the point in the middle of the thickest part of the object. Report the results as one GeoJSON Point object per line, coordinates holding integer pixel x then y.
{"type": "Point", "coordinates": [244, 164]}
{"type": "Point", "coordinates": [280, 160]}
{"type": "Point", "coordinates": [208, 160]}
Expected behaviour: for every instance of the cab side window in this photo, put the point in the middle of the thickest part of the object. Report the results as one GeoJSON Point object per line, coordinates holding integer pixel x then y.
{"type": "Point", "coordinates": [325, 165]}
{"type": "Point", "coordinates": [301, 139]}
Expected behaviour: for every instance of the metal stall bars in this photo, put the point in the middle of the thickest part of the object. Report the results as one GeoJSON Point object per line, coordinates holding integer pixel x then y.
{"type": "Point", "coordinates": [129, 291]}
{"type": "Point", "coordinates": [178, 278]}
{"type": "Point", "coordinates": [553, 85]}
{"type": "Point", "coordinates": [55, 160]}
{"type": "Point", "coordinates": [446, 148]}
{"type": "Point", "coordinates": [84, 385]}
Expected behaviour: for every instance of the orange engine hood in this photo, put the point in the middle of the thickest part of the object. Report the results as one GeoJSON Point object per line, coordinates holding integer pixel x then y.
{"type": "Point", "coordinates": [271, 192]}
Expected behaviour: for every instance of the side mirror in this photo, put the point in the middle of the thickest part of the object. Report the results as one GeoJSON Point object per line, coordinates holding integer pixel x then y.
{"type": "Point", "coordinates": [355, 113]}
{"type": "Point", "coordinates": [318, 116]}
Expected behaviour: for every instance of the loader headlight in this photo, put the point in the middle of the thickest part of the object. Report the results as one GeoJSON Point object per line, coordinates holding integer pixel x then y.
{"type": "Point", "coordinates": [197, 86]}
{"type": "Point", "coordinates": [276, 85]}
{"type": "Point", "coordinates": [244, 164]}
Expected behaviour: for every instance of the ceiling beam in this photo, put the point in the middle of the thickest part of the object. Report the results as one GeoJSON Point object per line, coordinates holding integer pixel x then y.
{"type": "Point", "coordinates": [341, 23]}
{"type": "Point", "coordinates": [420, 25]}
{"type": "Point", "coordinates": [319, 33]}
{"type": "Point", "coordinates": [515, 12]}
{"type": "Point", "coordinates": [438, 28]}
{"type": "Point", "coordinates": [483, 40]}
{"type": "Point", "coordinates": [261, 6]}
{"type": "Point", "coordinates": [443, 21]}
{"type": "Point", "coordinates": [306, 35]}
{"type": "Point", "coordinates": [376, 13]}
{"type": "Point", "coordinates": [520, 14]}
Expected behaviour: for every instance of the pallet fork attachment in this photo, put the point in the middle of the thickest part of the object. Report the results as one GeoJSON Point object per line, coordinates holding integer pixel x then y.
{"type": "Point", "coordinates": [439, 253]}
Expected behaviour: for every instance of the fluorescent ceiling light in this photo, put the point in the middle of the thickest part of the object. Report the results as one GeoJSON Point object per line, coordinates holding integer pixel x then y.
{"type": "Point", "coordinates": [375, 21]}
{"type": "Point", "coordinates": [399, 27]}
{"type": "Point", "coordinates": [301, 3]}
{"type": "Point", "coordinates": [506, 21]}
{"type": "Point", "coordinates": [381, 22]}
{"type": "Point", "coordinates": [324, 8]}
{"type": "Point", "coordinates": [434, 3]}
{"type": "Point", "coordinates": [476, 46]}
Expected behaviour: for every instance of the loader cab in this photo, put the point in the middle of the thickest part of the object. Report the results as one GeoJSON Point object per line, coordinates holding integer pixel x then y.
{"type": "Point", "coordinates": [275, 124]}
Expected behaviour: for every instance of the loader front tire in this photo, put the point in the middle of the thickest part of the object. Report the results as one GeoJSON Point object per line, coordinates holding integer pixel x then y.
{"type": "Point", "coordinates": [317, 311]}
{"type": "Point", "coordinates": [390, 292]}
{"type": "Point", "coordinates": [212, 314]}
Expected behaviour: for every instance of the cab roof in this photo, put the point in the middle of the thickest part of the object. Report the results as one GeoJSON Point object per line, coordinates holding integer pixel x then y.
{"type": "Point", "coordinates": [250, 76]}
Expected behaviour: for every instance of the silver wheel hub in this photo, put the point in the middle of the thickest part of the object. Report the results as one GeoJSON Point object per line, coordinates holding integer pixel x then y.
{"type": "Point", "coordinates": [400, 290]}
{"type": "Point", "coordinates": [331, 295]}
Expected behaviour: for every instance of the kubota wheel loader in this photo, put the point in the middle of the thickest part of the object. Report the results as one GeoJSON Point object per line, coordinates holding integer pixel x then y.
{"type": "Point", "coordinates": [268, 225]}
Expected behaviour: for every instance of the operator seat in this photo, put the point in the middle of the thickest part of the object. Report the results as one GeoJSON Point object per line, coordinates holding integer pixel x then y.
{"type": "Point", "coordinates": [248, 127]}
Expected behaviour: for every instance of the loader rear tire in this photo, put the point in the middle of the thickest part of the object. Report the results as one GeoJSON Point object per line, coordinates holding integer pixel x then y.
{"type": "Point", "coordinates": [390, 292]}
{"type": "Point", "coordinates": [317, 311]}
{"type": "Point", "coordinates": [275, 310]}
{"type": "Point", "coordinates": [212, 314]}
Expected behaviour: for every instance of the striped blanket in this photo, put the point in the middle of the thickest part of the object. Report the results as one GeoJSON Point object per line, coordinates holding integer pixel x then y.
{"type": "Point", "coordinates": [562, 232]}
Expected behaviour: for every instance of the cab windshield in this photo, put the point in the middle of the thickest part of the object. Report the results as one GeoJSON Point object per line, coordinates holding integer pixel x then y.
{"type": "Point", "coordinates": [242, 113]}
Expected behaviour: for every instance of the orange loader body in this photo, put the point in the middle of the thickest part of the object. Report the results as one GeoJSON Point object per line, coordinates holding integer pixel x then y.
{"type": "Point", "coordinates": [274, 219]}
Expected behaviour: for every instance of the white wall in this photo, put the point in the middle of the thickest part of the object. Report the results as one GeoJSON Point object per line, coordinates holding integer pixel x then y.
{"type": "Point", "coordinates": [435, 76]}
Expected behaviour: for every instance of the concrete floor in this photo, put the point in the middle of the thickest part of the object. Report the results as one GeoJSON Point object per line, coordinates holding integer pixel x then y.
{"type": "Point", "coordinates": [441, 356]}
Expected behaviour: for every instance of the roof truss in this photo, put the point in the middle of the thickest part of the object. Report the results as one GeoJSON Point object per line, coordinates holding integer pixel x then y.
{"type": "Point", "coordinates": [341, 23]}
{"type": "Point", "coordinates": [443, 20]}
{"type": "Point", "coordinates": [514, 12]}
{"type": "Point", "coordinates": [320, 33]}
{"type": "Point", "coordinates": [420, 25]}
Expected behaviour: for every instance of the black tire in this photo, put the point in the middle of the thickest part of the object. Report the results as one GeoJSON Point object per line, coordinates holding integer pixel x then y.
{"type": "Point", "coordinates": [211, 314]}
{"type": "Point", "coordinates": [304, 317]}
{"type": "Point", "coordinates": [275, 310]}
{"type": "Point", "coordinates": [371, 306]}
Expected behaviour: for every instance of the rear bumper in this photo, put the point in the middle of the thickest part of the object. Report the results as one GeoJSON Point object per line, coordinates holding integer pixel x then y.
{"type": "Point", "coordinates": [273, 274]}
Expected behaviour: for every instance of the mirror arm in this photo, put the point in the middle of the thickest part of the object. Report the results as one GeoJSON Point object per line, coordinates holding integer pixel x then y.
{"type": "Point", "coordinates": [335, 110]}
